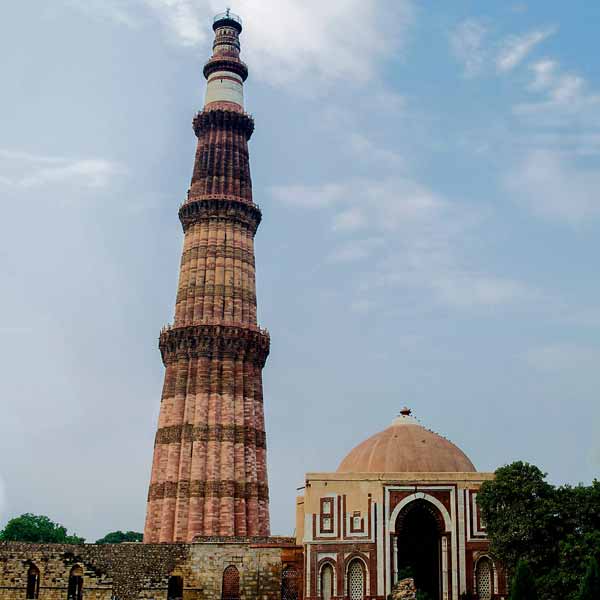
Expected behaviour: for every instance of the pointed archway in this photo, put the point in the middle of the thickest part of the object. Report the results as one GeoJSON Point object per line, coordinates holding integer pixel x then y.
{"type": "Point", "coordinates": [419, 529]}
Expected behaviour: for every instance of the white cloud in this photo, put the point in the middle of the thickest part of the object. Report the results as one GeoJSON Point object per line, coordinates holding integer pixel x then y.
{"type": "Point", "coordinates": [365, 149]}
{"type": "Point", "coordinates": [415, 239]}
{"type": "Point", "coordinates": [305, 196]}
{"type": "Point", "coordinates": [387, 100]}
{"type": "Point", "coordinates": [385, 204]}
{"type": "Point", "coordinates": [544, 74]}
{"type": "Point", "coordinates": [563, 356]}
{"type": "Point", "coordinates": [21, 169]}
{"type": "Point", "coordinates": [554, 187]}
{"type": "Point", "coordinates": [466, 42]}
{"type": "Point", "coordinates": [183, 19]}
{"type": "Point", "coordinates": [515, 48]}
{"type": "Point", "coordinates": [568, 89]}
{"type": "Point", "coordinates": [287, 40]}
{"type": "Point", "coordinates": [349, 220]}
{"type": "Point", "coordinates": [118, 11]}
{"type": "Point", "coordinates": [465, 290]}
{"type": "Point", "coordinates": [354, 250]}
{"type": "Point", "coordinates": [566, 99]}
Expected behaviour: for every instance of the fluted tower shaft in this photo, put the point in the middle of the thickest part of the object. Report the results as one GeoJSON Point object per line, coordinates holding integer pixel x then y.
{"type": "Point", "coordinates": [209, 475]}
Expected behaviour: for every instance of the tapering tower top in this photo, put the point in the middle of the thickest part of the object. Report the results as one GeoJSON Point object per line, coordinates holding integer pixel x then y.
{"type": "Point", "coordinates": [232, 20]}
{"type": "Point", "coordinates": [224, 70]}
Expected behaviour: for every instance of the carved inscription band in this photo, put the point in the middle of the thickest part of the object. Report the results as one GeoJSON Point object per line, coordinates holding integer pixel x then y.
{"type": "Point", "coordinates": [215, 341]}
{"type": "Point", "coordinates": [211, 433]}
{"type": "Point", "coordinates": [208, 489]}
{"type": "Point", "coordinates": [226, 119]}
{"type": "Point", "coordinates": [239, 210]}
{"type": "Point", "coordinates": [226, 64]}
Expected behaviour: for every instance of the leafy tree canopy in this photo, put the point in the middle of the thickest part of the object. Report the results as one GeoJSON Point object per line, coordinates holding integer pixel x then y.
{"type": "Point", "coordinates": [117, 537]}
{"type": "Point", "coordinates": [555, 530]}
{"type": "Point", "coordinates": [37, 528]}
{"type": "Point", "coordinates": [590, 586]}
{"type": "Point", "coordinates": [523, 583]}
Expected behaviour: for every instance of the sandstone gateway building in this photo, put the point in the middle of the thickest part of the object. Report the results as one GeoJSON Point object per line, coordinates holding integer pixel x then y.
{"type": "Point", "coordinates": [404, 502]}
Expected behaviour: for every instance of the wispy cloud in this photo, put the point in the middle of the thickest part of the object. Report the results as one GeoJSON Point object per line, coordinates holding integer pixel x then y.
{"type": "Point", "coordinates": [317, 196]}
{"type": "Point", "coordinates": [566, 99]}
{"type": "Point", "coordinates": [370, 152]}
{"type": "Point", "coordinates": [327, 42]}
{"type": "Point", "coordinates": [185, 20]}
{"type": "Point", "coordinates": [21, 169]}
{"type": "Point", "coordinates": [413, 237]}
{"type": "Point", "coordinates": [120, 12]}
{"type": "Point", "coordinates": [350, 220]}
{"type": "Point", "coordinates": [555, 187]}
{"type": "Point", "coordinates": [516, 48]}
{"type": "Point", "coordinates": [474, 47]}
{"type": "Point", "coordinates": [554, 176]}
{"type": "Point", "coordinates": [467, 44]}
{"type": "Point", "coordinates": [355, 250]}
{"type": "Point", "coordinates": [544, 72]}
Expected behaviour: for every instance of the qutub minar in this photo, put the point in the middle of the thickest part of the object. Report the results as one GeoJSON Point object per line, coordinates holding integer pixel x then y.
{"type": "Point", "coordinates": [209, 473]}
{"type": "Point", "coordinates": [400, 511]}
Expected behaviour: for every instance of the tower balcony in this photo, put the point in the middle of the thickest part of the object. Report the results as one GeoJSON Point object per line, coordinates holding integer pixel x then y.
{"type": "Point", "coordinates": [227, 19]}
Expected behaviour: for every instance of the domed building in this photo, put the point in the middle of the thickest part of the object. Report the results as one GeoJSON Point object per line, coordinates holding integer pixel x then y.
{"type": "Point", "coordinates": [403, 503]}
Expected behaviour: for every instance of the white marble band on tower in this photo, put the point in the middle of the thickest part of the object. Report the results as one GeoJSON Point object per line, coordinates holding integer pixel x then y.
{"type": "Point", "coordinates": [225, 86]}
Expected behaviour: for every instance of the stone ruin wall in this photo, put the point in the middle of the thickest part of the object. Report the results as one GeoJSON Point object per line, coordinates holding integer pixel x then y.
{"type": "Point", "coordinates": [141, 571]}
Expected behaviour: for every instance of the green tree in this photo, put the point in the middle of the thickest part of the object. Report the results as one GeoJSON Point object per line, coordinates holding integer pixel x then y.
{"type": "Point", "coordinates": [521, 515]}
{"type": "Point", "coordinates": [556, 530]}
{"type": "Point", "coordinates": [117, 537]}
{"type": "Point", "coordinates": [590, 585]}
{"type": "Point", "coordinates": [37, 528]}
{"type": "Point", "coordinates": [523, 584]}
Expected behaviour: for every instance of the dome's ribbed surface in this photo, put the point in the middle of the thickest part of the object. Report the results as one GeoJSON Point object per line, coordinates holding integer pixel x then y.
{"type": "Point", "coordinates": [406, 447]}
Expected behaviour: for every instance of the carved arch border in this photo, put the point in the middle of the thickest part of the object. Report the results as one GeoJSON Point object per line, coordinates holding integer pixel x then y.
{"type": "Point", "coordinates": [421, 496]}
{"type": "Point", "coordinates": [432, 510]}
{"type": "Point", "coordinates": [327, 562]}
{"type": "Point", "coordinates": [478, 559]}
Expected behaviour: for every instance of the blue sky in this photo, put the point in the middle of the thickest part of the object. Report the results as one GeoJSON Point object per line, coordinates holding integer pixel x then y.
{"type": "Point", "coordinates": [428, 175]}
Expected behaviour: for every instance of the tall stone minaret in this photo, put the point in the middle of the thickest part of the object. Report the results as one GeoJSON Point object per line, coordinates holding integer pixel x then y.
{"type": "Point", "coordinates": [209, 475]}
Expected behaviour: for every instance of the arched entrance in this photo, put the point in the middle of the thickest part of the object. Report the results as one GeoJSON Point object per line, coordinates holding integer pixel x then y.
{"type": "Point", "coordinates": [418, 537]}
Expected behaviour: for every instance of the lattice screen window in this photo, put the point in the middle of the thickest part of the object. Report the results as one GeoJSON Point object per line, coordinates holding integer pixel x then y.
{"type": "Point", "coordinates": [356, 580]}
{"type": "Point", "coordinates": [484, 579]}
{"type": "Point", "coordinates": [231, 584]}
{"type": "Point", "coordinates": [289, 583]}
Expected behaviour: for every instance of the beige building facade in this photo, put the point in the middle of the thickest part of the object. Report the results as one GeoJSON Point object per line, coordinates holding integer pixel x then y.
{"type": "Point", "coordinates": [363, 529]}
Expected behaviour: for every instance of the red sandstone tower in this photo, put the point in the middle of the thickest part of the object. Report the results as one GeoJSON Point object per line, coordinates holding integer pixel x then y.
{"type": "Point", "coordinates": [209, 475]}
